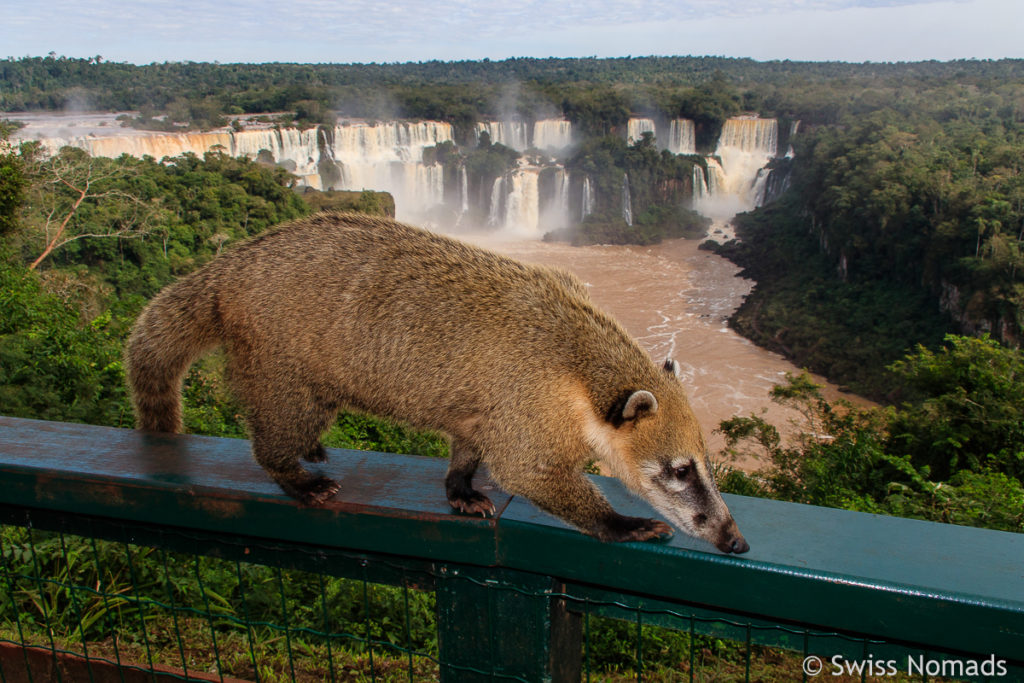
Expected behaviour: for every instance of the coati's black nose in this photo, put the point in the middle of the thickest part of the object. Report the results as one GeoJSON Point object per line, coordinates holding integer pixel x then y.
{"type": "Point", "coordinates": [733, 544]}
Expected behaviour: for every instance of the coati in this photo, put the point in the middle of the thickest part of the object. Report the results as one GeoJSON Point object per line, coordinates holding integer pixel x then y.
{"type": "Point", "coordinates": [512, 361]}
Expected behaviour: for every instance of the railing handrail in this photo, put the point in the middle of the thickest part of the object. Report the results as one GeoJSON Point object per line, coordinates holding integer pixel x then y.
{"type": "Point", "coordinates": [921, 583]}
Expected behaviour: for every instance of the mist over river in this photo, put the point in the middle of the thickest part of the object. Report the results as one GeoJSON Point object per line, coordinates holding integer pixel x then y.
{"type": "Point", "coordinates": [676, 300]}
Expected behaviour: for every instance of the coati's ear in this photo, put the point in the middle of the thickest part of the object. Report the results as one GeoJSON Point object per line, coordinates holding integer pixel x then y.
{"type": "Point", "coordinates": [673, 367]}
{"type": "Point", "coordinates": [639, 404]}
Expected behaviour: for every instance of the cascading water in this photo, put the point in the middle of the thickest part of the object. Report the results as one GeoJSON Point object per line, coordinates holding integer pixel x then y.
{"type": "Point", "coordinates": [463, 192]}
{"type": "Point", "coordinates": [555, 211]}
{"type": "Point", "coordinates": [297, 151]}
{"type": "Point", "coordinates": [523, 202]}
{"type": "Point", "coordinates": [750, 134]}
{"type": "Point", "coordinates": [587, 203]}
{"type": "Point", "coordinates": [682, 137]}
{"type": "Point", "coordinates": [745, 146]}
{"type": "Point", "coordinates": [509, 133]}
{"type": "Point", "coordinates": [388, 157]}
{"type": "Point", "coordinates": [700, 184]}
{"type": "Point", "coordinates": [562, 197]}
{"type": "Point", "coordinates": [552, 134]}
{"type": "Point", "coordinates": [635, 129]}
{"type": "Point", "coordinates": [760, 186]}
{"type": "Point", "coordinates": [494, 214]}
{"type": "Point", "coordinates": [157, 146]}
{"type": "Point", "coordinates": [627, 203]}
{"type": "Point", "coordinates": [793, 128]}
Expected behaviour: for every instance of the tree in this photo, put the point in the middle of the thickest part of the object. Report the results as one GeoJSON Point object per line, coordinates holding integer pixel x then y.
{"type": "Point", "coordinates": [62, 184]}
{"type": "Point", "coordinates": [12, 186]}
{"type": "Point", "coordinates": [965, 408]}
{"type": "Point", "coordinates": [848, 458]}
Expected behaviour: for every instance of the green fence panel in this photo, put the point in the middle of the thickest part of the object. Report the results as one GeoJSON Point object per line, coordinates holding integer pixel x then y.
{"type": "Point", "coordinates": [513, 597]}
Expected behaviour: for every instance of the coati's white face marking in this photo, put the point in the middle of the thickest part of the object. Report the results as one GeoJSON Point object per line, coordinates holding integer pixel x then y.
{"type": "Point", "coordinates": [684, 490]}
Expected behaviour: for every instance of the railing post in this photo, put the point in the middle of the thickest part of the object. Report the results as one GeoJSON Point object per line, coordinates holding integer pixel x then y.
{"type": "Point", "coordinates": [505, 625]}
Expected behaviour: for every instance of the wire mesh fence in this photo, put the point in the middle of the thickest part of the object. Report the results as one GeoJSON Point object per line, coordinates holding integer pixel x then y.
{"type": "Point", "coordinates": [89, 599]}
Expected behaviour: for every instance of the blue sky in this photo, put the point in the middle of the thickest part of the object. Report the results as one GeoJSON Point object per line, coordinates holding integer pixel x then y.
{"type": "Point", "coordinates": [403, 30]}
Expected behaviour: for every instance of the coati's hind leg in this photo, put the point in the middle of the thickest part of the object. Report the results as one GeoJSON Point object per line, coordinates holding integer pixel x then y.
{"type": "Point", "coordinates": [281, 435]}
{"type": "Point", "coordinates": [458, 483]}
{"type": "Point", "coordinates": [285, 424]}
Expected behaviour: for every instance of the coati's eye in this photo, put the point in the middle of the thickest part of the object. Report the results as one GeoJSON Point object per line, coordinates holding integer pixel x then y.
{"type": "Point", "coordinates": [681, 471]}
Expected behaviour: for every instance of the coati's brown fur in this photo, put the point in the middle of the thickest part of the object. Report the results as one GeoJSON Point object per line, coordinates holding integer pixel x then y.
{"type": "Point", "coordinates": [512, 361]}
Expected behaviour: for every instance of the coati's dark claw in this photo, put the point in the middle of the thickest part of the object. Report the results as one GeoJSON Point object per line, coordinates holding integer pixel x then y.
{"type": "Point", "coordinates": [661, 530]}
{"type": "Point", "coordinates": [316, 491]}
{"type": "Point", "coordinates": [475, 503]}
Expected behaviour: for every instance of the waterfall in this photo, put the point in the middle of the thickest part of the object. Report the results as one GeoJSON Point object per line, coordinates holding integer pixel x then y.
{"type": "Point", "coordinates": [388, 157]}
{"type": "Point", "coordinates": [523, 202]}
{"type": "Point", "coordinates": [552, 134]}
{"type": "Point", "coordinates": [700, 183]}
{"type": "Point", "coordinates": [734, 181]}
{"type": "Point", "coordinates": [776, 183]}
{"type": "Point", "coordinates": [715, 177]}
{"type": "Point", "coordinates": [298, 151]}
{"type": "Point", "coordinates": [494, 214]}
{"type": "Point", "coordinates": [636, 128]}
{"type": "Point", "coordinates": [627, 203]}
{"type": "Point", "coordinates": [463, 192]}
{"type": "Point", "coordinates": [682, 137]}
{"type": "Point", "coordinates": [760, 186]}
{"type": "Point", "coordinates": [562, 198]}
{"type": "Point", "coordinates": [157, 146]}
{"type": "Point", "coordinates": [587, 207]}
{"type": "Point", "coordinates": [751, 135]}
{"type": "Point", "coordinates": [555, 212]}
{"type": "Point", "coordinates": [793, 128]}
{"type": "Point", "coordinates": [509, 133]}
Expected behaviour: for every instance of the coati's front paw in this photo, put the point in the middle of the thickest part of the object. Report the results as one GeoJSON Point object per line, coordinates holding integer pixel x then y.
{"type": "Point", "coordinates": [472, 503]}
{"type": "Point", "coordinates": [315, 491]}
{"type": "Point", "coordinates": [619, 529]}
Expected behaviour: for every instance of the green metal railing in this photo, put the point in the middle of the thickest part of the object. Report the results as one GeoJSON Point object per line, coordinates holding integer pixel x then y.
{"type": "Point", "coordinates": [135, 557]}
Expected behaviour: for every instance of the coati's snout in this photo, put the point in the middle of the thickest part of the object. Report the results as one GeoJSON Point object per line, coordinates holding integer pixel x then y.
{"type": "Point", "coordinates": [684, 490]}
{"type": "Point", "coordinates": [731, 540]}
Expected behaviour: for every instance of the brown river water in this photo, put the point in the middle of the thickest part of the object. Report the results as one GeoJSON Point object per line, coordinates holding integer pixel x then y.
{"type": "Point", "coordinates": [676, 301]}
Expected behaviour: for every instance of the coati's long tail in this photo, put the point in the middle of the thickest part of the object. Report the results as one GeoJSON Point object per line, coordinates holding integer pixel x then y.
{"type": "Point", "coordinates": [175, 328]}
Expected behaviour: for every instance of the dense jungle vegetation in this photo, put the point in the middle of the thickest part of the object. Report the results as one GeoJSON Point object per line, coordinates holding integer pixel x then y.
{"type": "Point", "coordinates": [596, 94]}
